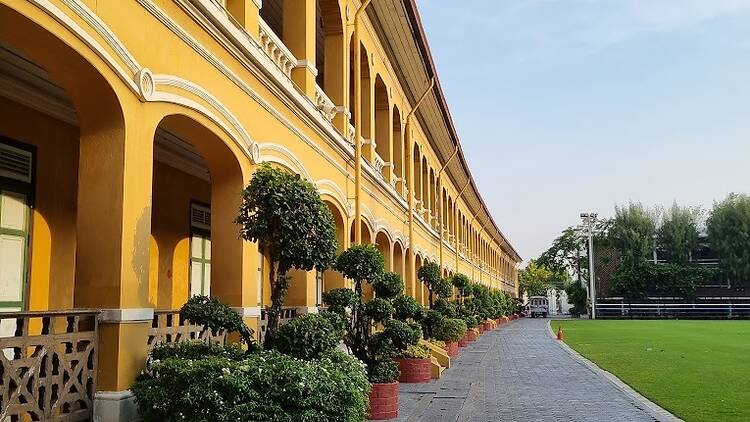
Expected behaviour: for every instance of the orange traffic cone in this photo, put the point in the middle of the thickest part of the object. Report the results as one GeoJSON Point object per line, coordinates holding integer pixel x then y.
{"type": "Point", "coordinates": [560, 333]}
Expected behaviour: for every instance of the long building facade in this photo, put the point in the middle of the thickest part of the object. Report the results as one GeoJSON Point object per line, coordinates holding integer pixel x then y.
{"type": "Point", "coordinates": [128, 130]}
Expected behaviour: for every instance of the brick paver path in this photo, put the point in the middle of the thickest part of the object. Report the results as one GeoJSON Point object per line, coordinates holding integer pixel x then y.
{"type": "Point", "coordinates": [518, 373]}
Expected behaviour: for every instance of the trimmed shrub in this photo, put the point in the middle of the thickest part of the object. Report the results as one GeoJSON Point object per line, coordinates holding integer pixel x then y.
{"type": "Point", "coordinates": [449, 330]}
{"type": "Point", "coordinates": [338, 300]}
{"type": "Point", "coordinates": [384, 371]}
{"type": "Point", "coordinates": [266, 386]}
{"type": "Point", "coordinates": [196, 349]}
{"type": "Point", "coordinates": [309, 336]}
{"type": "Point", "coordinates": [209, 312]}
{"type": "Point", "coordinates": [388, 286]}
{"type": "Point", "coordinates": [379, 309]}
{"type": "Point", "coordinates": [406, 307]}
{"type": "Point", "coordinates": [416, 351]}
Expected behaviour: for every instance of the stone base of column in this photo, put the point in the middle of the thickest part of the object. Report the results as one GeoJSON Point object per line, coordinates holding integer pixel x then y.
{"type": "Point", "coordinates": [115, 406]}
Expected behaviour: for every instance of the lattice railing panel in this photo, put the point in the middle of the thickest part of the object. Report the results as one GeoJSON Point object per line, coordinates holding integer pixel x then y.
{"type": "Point", "coordinates": [168, 327]}
{"type": "Point", "coordinates": [48, 365]}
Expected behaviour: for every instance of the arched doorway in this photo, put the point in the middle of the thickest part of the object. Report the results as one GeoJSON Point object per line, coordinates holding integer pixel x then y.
{"type": "Point", "coordinates": [195, 201]}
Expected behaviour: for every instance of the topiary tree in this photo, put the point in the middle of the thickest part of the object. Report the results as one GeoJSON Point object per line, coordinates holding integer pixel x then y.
{"type": "Point", "coordinates": [292, 225]}
{"type": "Point", "coordinates": [429, 274]}
{"type": "Point", "coordinates": [310, 336]}
{"type": "Point", "coordinates": [365, 264]}
{"type": "Point", "coordinates": [460, 282]}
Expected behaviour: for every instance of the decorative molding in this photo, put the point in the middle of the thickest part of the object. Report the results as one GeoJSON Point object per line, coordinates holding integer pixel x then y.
{"type": "Point", "coordinates": [248, 311]}
{"type": "Point", "coordinates": [331, 189]}
{"type": "Point", "coordinates": [281, 153]}
{"type": "Point", "coordinates": [234, 128]}
{"type": "Point", "coordinates": [126, 315]}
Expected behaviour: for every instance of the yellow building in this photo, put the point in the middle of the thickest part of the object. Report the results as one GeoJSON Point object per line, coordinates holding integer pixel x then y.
{"type": "Point", "coordinates": [128, 129]}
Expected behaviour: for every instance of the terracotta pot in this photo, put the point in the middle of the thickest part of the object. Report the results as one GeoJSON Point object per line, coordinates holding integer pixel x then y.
{"type": "Point", "coordinates": [451, 349]}
{"type": "Point", "coordinates": [465, 340]}
{"type": "Point", "coordinates": [471, 335]}
{"type": "Point", "coordinates": [414, 370]}
{"type": "Point", "coordinates": [481, 328]}
{"type": "Point", "coordinates": [384, 401]}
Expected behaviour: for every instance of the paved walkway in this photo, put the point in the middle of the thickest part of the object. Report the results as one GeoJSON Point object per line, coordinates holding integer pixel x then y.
{"type": "Point", "coordinates": [518, 373]}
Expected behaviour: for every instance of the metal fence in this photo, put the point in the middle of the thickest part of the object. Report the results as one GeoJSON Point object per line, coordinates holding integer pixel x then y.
{"type": "Point", "coordinates": [673, 310]}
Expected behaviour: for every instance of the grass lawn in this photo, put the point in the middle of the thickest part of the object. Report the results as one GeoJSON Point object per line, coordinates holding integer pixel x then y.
{"type": "Point", "coordinates": [698, 370]}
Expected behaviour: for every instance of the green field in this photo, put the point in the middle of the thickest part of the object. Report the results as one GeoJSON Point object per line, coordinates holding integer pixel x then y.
{"type": "Point", "coordinates": [698, 370]}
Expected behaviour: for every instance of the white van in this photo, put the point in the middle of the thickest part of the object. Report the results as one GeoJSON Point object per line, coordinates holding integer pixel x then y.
{"type": "Point", "coordinates": [538, 306]}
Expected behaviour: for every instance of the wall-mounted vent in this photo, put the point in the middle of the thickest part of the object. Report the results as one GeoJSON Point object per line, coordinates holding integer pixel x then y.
{"type": "Point", "coordinates": [15, 163]}
{"type": "Point", "coordinates": [200, 217]}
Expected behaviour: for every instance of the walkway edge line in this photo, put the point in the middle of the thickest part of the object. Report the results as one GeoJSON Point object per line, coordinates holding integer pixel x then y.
{"type": "Point", "coordinates": [658, 412]}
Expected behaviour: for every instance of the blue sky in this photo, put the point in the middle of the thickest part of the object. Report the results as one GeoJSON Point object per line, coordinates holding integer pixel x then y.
{"type": "Point", "coordinates": [564, 106]}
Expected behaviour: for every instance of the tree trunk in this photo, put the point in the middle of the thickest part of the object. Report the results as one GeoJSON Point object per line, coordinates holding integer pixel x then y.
{"type": "Point", "coordinates": [279, 286]}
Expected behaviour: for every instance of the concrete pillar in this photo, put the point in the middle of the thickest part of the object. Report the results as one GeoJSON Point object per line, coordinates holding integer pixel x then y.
{"type": "Point", "coordinates": [246, 13]}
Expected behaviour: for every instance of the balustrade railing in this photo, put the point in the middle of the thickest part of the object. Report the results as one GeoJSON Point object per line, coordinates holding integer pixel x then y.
{"type": "Point", "coordinates": [275, 49]}
{"type": "Point", "coordinates": [287, 314]}
{"type": "Point", "coordinates": [168, 327]}
{"type": "Point", "coordinates": [324, 104]}
{"type": "Point", "coordinates": [48, 365]}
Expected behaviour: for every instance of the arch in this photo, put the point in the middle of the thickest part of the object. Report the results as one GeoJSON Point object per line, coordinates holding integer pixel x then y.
{"type": "Point", "coordinates": [383, 127]}
{"type": "Point", "coordinates": [367, 232]}
{"type": "Point", "coordinates": [279, 154]}
{"type": "Point", "coordinates": [67, 263]}
{"type": "Point", "coordinates": [399, 259]}
{"type": "Point", "coordinates": [398, 151]}
{"type": "Point", "coordinates": [175, 193]}
{"type": "Point", "coordinates": [330, 190]}
{"type": "Point", "coordinates": [330, 48]}
{"type": "Point", "coordinates": [385, 246]}
{"type": "Point", "coordinates": [417, 166]}
{"type": "Point", "coordinates": [333, 279]}
{"type": "Point", "coordinates": [424, 178]}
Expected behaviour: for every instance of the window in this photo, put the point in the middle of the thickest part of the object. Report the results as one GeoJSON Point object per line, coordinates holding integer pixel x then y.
{"type": "Point", "coordinates": [200, 250]}
{"type": "Point", "coordinates": [16, 188]}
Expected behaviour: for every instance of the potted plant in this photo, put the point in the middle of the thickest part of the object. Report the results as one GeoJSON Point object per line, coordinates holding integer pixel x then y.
{"type": "Point", "coordinates": [450, 330]}
{"type": "Point", "coordinates": [365, 264]}
{"type": "Point", "coordinates": [471, 332]}
{"type": "Point", "coordinates": [414, 364]}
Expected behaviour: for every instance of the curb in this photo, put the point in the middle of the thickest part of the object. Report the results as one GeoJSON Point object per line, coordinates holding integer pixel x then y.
{"type": "Point", "coordinates": [656, 411]}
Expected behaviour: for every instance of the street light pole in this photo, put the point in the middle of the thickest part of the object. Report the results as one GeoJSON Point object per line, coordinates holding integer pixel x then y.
{"type": "Point", "coordinates": [588, 220]}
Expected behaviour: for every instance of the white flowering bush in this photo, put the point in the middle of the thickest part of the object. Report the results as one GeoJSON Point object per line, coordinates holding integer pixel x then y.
{"type": "Point", "coordinates": [262, 386]}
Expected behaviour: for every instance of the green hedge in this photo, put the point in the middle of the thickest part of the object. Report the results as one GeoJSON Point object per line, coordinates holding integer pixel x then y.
{"type": "Point", "coordinates": [262, 386]}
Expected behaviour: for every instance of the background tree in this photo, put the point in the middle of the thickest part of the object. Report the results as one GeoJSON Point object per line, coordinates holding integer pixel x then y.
{"type": "Point", "coordinates": [729, 233]}
{"type": "Point", "coordinates": [534, 279]}
{"type": "Point", "coordinates": [677, 237]}
{"type": "Point", "coordinates": [632, 232]}
{"type": "Point", "coordinates": [291, 224]}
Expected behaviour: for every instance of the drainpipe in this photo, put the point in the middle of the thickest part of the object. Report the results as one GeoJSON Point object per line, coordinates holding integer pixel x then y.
{"type": "Point", "coordinates": [410, 162]}
{"type": "Point", "coordinates": [358, 127]}
{"type": "Point", "coordinates": [440, 201]}
{"type": "Point", "coordinates": [455, 217]}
